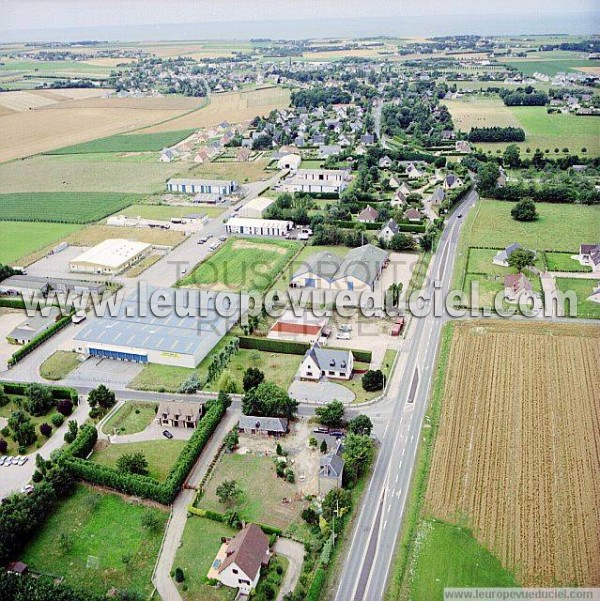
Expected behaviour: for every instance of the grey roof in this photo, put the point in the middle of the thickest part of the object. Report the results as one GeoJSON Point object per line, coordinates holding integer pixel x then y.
{"type": "Point", "coordinates": [392, 225]}
{"type": "Point", "coordinates": [323, 264]}
{"type": "Point", "coordinates": [271, 424]}
{"type": "Point", "coordinates": [509, 250]}
{"type": "Point", "coordinates": [437, 195]}
{"type": "Point", "coordinates": [327, 358]}
{"type": "Point", "coordinates": [59, 284]}
{"type": "Point", "coordinates": [331, 466]}
{"type": "Point", "coordinates": [135, 325]}
{"type": "Point", "coordinates": [363, 263]}
{"type": "Point", "coordinates": [34, 326]}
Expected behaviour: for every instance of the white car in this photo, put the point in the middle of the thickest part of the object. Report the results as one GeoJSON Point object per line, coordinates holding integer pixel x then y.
{"type": "Point", "coordinates": [343, 336]}
{"type": "Point", "coordinates": [22, 460]}
{"type": "Point", "coordinates": [3, 459]}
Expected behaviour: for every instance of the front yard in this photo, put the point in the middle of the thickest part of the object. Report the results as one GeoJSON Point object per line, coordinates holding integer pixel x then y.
{"type": "Point", "coordinates": [130, 418]}
{"type": "Point", "coordinates": [97, 541]}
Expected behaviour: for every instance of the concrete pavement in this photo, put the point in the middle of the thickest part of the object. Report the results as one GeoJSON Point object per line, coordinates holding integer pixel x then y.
{"type": "Point", "coordinates": [294, 551]}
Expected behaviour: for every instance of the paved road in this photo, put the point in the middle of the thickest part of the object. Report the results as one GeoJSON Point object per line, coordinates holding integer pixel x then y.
{"type": "Point", "coordinates": [374, 538]}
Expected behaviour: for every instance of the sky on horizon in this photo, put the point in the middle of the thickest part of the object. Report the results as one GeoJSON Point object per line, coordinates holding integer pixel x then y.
{"type": "Point", "coordinates": [26, 15]}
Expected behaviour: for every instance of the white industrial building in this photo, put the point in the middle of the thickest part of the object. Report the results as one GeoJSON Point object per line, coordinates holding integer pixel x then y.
{"type": "Point", "coordinates": [289, 161]}
{"type": "Point", "coordinates": [217, 187]}
{"type": "Point", "coordinates": [110, 257]}
{"type": "Point", "coordinates": [166, 326]}
{"type": "Point", "coordinates": [256, 208]}
{"type": "Point", "coordinates": [317, 181]}
{"type": "Point", "coordinates": [258, 227]}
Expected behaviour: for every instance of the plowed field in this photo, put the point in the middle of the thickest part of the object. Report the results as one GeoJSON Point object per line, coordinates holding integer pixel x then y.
{"type": "Point", "coordinates": [517, 457]}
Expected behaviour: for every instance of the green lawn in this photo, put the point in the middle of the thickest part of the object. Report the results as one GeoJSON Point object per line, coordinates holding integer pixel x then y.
{"type": "Point", "coordinates": [564, 262]}
{"type": "Point", "coordinates": [549, 66]}
{"type": "Point", "coordinates": [243, 264]}
{"type": "Point", "coordinates": [132, 417]}
{"type": "Point", "coordinates": [15, 404]}
{"type": "Point", "coordinates": [200, 544]}
{"type": "Point", "coordinates": [583, 289]}
{"type": "Point", "coordinates": [127, 143]}
{"type": "Point", "coordinates": [102, 526]}
{"type": "Point", "coordinates": [262, 490]}
{"type": "Point", "coordinates": [59, 365]}
{"type": "Point", "coordinates": [161, 455]}
{"type": "Point", "coordinates": [449, 556]}
{"type": "Point", "coordinates": [491, 285]}
{"type": "Point", "coordinates": [480, 261]}
{"type": "Point", "coordinates": [355, 384]}
{"type": "Point", "coordinates": [19, 239]}
{"type": "Point", "coordinates": [561, 227]}
{"type": "Point", "coordinates": [70, 207]}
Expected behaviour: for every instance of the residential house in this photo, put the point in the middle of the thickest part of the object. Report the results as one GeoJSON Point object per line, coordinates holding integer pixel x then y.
{"type": "Point", "coordinates": [406, 189]}
{"type": "Point", "coordinates": [265, 426]}
{"type": "Point", "coordinates": [394, 184]}
{"type": "Point", "coordinates": [167, 155]}
{"type": "Point", "coordinates": [240, 559]}
{"type": "Point", "coordinates": [448, 135]}
{"type": "Point", "coordinates": [318, 140]}
{"type": "Point", "coordinates": [388, 231]}
{"type": "Point", "coordinates": [413, 172]}
{"type": "Point", "coordinates": [368, 215]}
{"type": "Point", "coordinates": [398, 199]}
{"type": "Point", "coordinates": [385, 162]}
{"type": "Point", "coordinates": [242, 155]}
{"type": "Point", "coordinates": [452, 181]}
{"type": "Point", "coordinates": [589, 254]}
{"type": "Point", "coordinates": [367, 139]}
{"type": "Point", "coordinates": [502, 179]}
{"type": "Point", "coordinates": [329, 151]}
{"type": "Point", "coordinates": [437, 196]}
{"type": "Point", "coordinates": [321, 362]}
{"type": "Point", "coordinates": [501, 257]}
{"type": "Point", "coordinates": [179, 414]}
{"type": "Point", "coordinates": [462, 146]}
{"type": "Point", "coordinates": [413, 215]}
{"type": "Point", "coordinates": [331, 470]}
{"type": "Point", "coordinates": [516, 285]}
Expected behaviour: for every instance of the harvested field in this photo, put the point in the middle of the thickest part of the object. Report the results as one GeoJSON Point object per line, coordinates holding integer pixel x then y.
{"type": "Point", "coordinates": [158, 103]}
{"type": "Point", "coordinates": [24, 101]}
{"type": "Point", "coordinates": [480, 111]}
{"type": "Point", "coordinates": [231, 106]}
{"type": "Point", "coordinates": [94, 234]}
{"type": "Point", "coordinates": [249, 171]}
{"type": "Point", "coordinates": [517, 452]}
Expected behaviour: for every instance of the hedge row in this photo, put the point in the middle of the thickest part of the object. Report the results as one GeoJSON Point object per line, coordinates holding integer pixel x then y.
{"type": "Point", "coordinates": [215, 516]}
{"type": "Point", "coordinates": [84, 443]}
{"type": "Point", "coordinates": [418, 228]}
{"type": "Point", "coordinates": [316, 587]}
{"type": "Point", "coordinates": [12, 303]}
{"type": "Point", "coordinates": [144, 486]}
{"type": "Point", "coordinates": [17, 587]}
{"type": "Point", "coordinates": [31, 346]}
{"type": "Point", "coordinates": [58, 392]}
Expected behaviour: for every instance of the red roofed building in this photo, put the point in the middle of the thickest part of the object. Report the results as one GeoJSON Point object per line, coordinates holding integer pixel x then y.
{"type": "Point", "coordinates": [516, 285]}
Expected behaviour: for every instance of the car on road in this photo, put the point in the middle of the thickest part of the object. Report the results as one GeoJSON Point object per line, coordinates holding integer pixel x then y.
{"type": "Point", "coordinates": [459, 215]}
{"type": "Point", "coordinates": [209, 236]}
{"type": "Point", "coordinates": [202, 240]}
{"type": "Point", "coordinates": [27, 489]}
{"type": "Point", "coordinates": [167, 434]}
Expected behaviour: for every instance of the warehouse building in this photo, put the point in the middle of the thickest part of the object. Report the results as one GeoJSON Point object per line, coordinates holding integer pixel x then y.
{"type": "Point", "coordinates": [317, 181]}
{"type": "Point", "coordinates": [258, 227]}
{"type": "Point", "coordinates": [217, 187]}
{"type": "Point", "coordinates": [37, 286]}
{"type": "Point", "coordinates": [34, 326]}
{"type": "Point", "coordinates": [256, 208]}
{"type": "Point", "coordinates": [187, 327]}
{"type": "Point", "coordinates": [110, 257]}
{"type": "Point", "coordinates": [290, 162]}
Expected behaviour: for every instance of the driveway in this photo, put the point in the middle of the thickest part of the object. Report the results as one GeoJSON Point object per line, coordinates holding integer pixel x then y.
{"type": "Point", "coordinates": [294, 551]}
{"type": "Point", "coordinates": [153, 432]}
{"type": "Point", "coordinates": [320, 392]}
{"type": "Point", "coordinates": [104, 370]}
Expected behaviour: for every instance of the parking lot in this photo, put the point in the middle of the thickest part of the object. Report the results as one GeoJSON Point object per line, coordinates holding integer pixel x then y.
{"type": "Point", "coordinates": [105, 370]}
{"type": "Point", "coordinates": [57, 265]}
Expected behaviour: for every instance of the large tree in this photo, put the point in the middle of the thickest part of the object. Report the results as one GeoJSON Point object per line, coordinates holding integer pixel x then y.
{"type": "Point", "coordinates": [252, 378]}
{"type": "Point", "coordinates": [23, 430]}
{"type": "Point", "coordinates": [39, 399]}
{"type": "Point", "coordinates": [269, 400]}
{"type": "Point", "coordinates": [228, 492]}
{"type": "Point", "coordinates": [361, 425]}
{"type": "Point", "coordinates": [524, 210]}
{"type": "Point", "coordinates": [102, 397]}
{"type": "Point", "coordinates": [331, 415]}
{"type": "Point", "coordinates": [487, 176]}
{"type": "Point", "coordinates": [358, 455]}
{"type": "Point", "coordinates": [521, 258]}
{"type": "Point", "coordinates": [133, 463]}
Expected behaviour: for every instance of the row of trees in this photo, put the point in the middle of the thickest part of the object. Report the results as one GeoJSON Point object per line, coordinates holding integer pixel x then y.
{"type": "Point", "coordinates": [496, 134]}
{"type": "Point", "coordinates": [523, 97]}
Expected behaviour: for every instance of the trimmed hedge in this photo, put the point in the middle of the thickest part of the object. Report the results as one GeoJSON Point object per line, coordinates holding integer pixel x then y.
{"type": "Point", "coordinates": [274, 346]}
{"type": "Point", "coordinates": [31, 346]}
{"type": "Point", "coordinates": [215, 516]}
{"type": "Point", "coordinates": [12, 303]}
{"type": "Point", "coordinates": [417, 228]}
{"type": "Point", "coordinates": [134, 484]}
{"type": "Point", "coordinates": [316, 587]}
{"type": "Point", "coordinates": [58, 392]}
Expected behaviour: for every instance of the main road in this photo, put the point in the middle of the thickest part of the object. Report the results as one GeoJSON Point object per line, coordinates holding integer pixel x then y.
{"type": "Point", "coordinates": [376, 531]}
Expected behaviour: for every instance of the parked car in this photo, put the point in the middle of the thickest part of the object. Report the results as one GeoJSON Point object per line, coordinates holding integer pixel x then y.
{"type": "Point", "coordinates": [343, 336]}
{"type": "Point", "coordinates": [345, 327]}
{"type": "Point", "coordinates": [27, 489]}
{"type": "Point", "coordinates": [202, 240]}
{"type": "Point", "coordinates": [320, 430]}
{"type": "Point", "coordinates": [3, 459]}
{"type": "Point", "coordinates": [209, 236]}
{"type": "Point", "coordinates": [223, 237]}
{"type": "Point", "coordinates": [167, 434]}
{"type": "Point", "coordinates": [21, 460]}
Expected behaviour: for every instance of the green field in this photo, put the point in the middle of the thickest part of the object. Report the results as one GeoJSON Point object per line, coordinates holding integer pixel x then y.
{"type": "Point", "coordinates": [161, 455]}
{"type": "Point", "coordinates": [243, 264]}
{"type": "Point", "coordinates": [480, 261]}
{"type": "Point", "coordinates": [86, 173]}
{"type": "Point", "coordinates": [59, 365]}
{"type": "Point", "coordinates": [127, 143]}
{"type": "Point", "coordinates": [583, 289]}
{"type": "Point", "coordinates": [561, 227]}
{"type": "Point", "coordinates": [19, 239]}
{"type": "Point", "coordinates": [130, 418]}
{"type": "Point", "coordinates": [200, 544]}
{"type": "Point", "coordinates": [449, 556]}
{"type": "Point", "coordinates": [549, 66]}
{"type": "Point", "coordinates": [92, 524]}
{"type": "Point", "coordinates": [62, 207]}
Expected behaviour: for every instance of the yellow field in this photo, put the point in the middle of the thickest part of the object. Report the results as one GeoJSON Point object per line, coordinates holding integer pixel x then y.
{"type": "Point", "coordinates": [250, 171]}
{"type": "Point", "coordinates": [159, 103]}
{"type": "Point", "coordinates": [479, 111]}
{"type": "Point", "coordinates": [517, 454]}
{"type": "Point", "coordinates": [94, 234]}
{"type": "Point", "coordinates": [232, 107]}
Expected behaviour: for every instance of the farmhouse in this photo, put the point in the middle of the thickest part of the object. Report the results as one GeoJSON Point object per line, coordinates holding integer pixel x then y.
{"type": "Point", "coordinates": [331, 471]}
{"type": "Point", "coordinates": [138, 334]}
{"type": "Point", "coordinates": [589, 254]}
{"type": "Point", "coordinates": [368, 215]}
{"type": "Point", "coordinates": [289, 161]}
{"type": "Point", "coordinates": [110, 257]}
{"type": "Point", "coordinates": [178, 414]}
{"type": "Point", "coordinates": [359, 270]}
{"type": "Point", "coordinates": [318, 181]}
{"type": "Point", "coordinates": [258, 227]}
{"type": "Point", "coordinates": [256, 208]}
{"type": "Point", "coordinates": [240, 559]}
{"type": "Point", "coordinates": [515, 286]}
{"type": "Point", "coordinates": [501, 257]}
{"type": "Point", "coordinates": [33, 327]}
{"type": "Point", "coordinates": [202, 186]}
{"type": "Point", "coordinates": [296, 327]}
{"type": "Point", "coordinates": [265, 426]}
{"type": "Point", "coordinates": [323, 362]}
{"type": "Point", "coordinates": [388, 231]}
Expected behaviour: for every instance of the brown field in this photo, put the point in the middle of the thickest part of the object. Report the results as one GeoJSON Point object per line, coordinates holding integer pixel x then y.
{"type": "Point", "coordinates": [247, 171]}
{"type": "Point", "coordinates": [94, 234]}
{"type": "Point", "coordinates": [480, 111]}
{"type": "Point", "coordinates": [159, 103]}
{"type": "Point", "coordinates": [591, 70]}
{"type": "Point", "coordinates": [231, 106]}
{"type": "Point", "coordinates": [518, 450]}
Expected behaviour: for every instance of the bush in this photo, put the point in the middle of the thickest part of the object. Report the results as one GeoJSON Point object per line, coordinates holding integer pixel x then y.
{"type": "Point", "coordinates": [373, 380]}
{"type": "Point", "coordinates": [64, 407]}
{"type": "Point", "coordinates": [46, 430]}
{"type": "Point", "coordinates": [179, 576]}
{"type": "Point", "coordinates": [37, 476]}
{"type": "Point", "coordinates": [57, 420]}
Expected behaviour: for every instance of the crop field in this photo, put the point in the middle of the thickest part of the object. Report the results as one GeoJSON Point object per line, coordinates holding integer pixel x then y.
{"type": "Point", "coordinates": [517, 451]}
{"type": "Point", "coordinates": [243, 264]}
{"type": "Point", "coordinates": [19, 239]}
{"type": "Point", "coordinates": [165, 212]}
{"type": "Point", "coordinates": [86, 173]}
{"type": "Point", "coordinates": [231, 106]}
{"type": "Point", "coordinates": [548, 66]}
{"type": "Point", "coordinates": [247, 171]}
{"type": "Point", "coordinates": [127, 143]}
{"type": "Point", "coordinates": [63, 207]}
{"type": "Point", "coordinates": [94, 234]}
{"type": "Point", "coordinates": [480, 111]}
